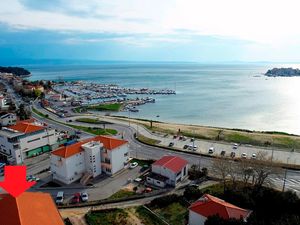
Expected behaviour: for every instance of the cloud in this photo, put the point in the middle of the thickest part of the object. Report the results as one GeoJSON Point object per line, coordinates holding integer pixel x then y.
{"type": "Point", "coordinates": [268, 22]}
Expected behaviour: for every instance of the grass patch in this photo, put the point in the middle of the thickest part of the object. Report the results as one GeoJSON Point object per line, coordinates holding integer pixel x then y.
{"type": "Point", "coordinates": [107, 217]}
{"type": "Point", "coordinates": [238, 138]}
{"type": "Point", "coordinates": [95, 130]}
{"type": "Point", "coordinates": [91, 130]}
{"type": "Point", "coordinates": [122, 194]}
{"type": "Point", "coordinates": [174, 213]}
{"type": "Point", "coordinates": [142, 162]}
{"type": "Point", "coordinates": [106, 107]}
{"type": "Point", "coordinates": [39, 113]}
{"type": "Point", "coordinates": [147, 140]}
{"type": "Point", "coordinates": [147, 217]}
{"type": "Point", "coordinates": [91, 120]}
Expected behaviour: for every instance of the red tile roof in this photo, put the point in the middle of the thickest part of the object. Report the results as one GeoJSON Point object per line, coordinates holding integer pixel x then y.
{"type": "Point", "coordinates": [69, 150]}
{"type": "Point", "coordinates": [209, 205]}
{"type": "Point", "coordinates": [26, 127]}
{"type": "Point", "coordinates": [173, 163]}
{"type": "Point", "coordinates": [108, 142]}
{"type": "Point", "coordinates": [29, 209]}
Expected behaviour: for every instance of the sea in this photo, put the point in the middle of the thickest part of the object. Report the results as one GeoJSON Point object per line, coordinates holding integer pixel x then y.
{"type": "Point", "coordinates": [218, 95]}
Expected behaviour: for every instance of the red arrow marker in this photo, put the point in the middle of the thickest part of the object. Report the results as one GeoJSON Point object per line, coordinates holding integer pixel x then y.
{"type": "Point", "coordinates": [15, 182]}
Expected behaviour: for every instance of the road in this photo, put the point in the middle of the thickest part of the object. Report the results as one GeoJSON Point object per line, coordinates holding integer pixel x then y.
{"type": "Point", "coordinates": [140, 150]}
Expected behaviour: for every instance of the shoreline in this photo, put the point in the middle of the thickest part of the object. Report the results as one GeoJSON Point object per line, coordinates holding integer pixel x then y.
{"type": "Point", "coordinates": [213, 127]}
{"type": "Point", "coordinates": [270, 139]}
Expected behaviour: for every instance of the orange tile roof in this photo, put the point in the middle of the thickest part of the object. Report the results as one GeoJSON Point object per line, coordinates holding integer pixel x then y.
{"type": "Point", "coordinates": [209, 205]}
{"type": "Point", "coordinates": [67, 151]}
{"type": "Point", "coordinates": [108, 142]}
{"type": "Point", "coordinates": [26, 127]}
{"type": "Point", "coordinates": [30, 208]}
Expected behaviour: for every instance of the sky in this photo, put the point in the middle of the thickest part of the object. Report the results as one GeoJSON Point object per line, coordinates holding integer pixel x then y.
{"type": "Point", "coordinates": [150, 30]}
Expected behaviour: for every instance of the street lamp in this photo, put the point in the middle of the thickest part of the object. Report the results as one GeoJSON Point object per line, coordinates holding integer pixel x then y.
{"type": "Point", "coordinates": [285, 174]}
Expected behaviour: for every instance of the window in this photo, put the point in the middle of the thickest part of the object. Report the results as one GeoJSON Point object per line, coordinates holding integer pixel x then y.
{"type": "Point", "coordinates": [108, 170]}
{"type": "Point", "coordinates": [37, 139]}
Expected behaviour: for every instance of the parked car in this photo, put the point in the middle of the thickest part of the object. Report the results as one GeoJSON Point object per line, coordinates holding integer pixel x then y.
{"type": "Point", "coordinates": [244, 155]}
{"type": "Point", "coordinates": [32, 178]}
{"type": "Point", "coordinates": [144, 168]}
{"type": "Point", "coordinates": [223, 153]}
{"type": "Point", "coordinates": [235, 146]}
{"type": "Point", "coordinates": [171, 144]}
{"type": "Point", "coordinates": [185, 146]}
{"type": "Point", "coordinates": [253, 156]}
{"type": "Point", "coordinates": [59, 198]}
{"type": "Point", "coordinates": [76, 198]}
{"type": "Point", "coordinates": [232, 154]}
{"type": "Point", "coordinates": [175, 136]}
{"type": "Point", "coordinates": [147, 190]}
{"type": "Point", "coordinates": [193, 147]}
{"type": "Point", "coordinates": [84, 197]}
{"type": "Point", "coordinates": [192, 139]}
{"type": "Point", "coordinates": [211, 150]}
{"type": "Point", "coordinates": [133, 165]}
{"type": "Point", "coordinates": [138, 180]}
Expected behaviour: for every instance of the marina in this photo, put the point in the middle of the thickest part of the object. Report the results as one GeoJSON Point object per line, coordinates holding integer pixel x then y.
{"type": "Point", "coordinates": [81, 93]}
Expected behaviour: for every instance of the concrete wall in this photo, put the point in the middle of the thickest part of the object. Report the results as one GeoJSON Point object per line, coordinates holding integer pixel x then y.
{"type": "Point", "coordinates": [118, 157]}
{"type": "Point", "coordinates": [196, 219]}
{"type": "Point", "coordinates": [155, 182]}
{"type": "Point", "coordinates": [68, 170]}
{"type": "Point", "coordinates": [93, 158]}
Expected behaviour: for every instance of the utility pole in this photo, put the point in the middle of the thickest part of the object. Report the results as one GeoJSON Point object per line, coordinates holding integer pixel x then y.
{"type": "Point", "coordinates": [285, 175]}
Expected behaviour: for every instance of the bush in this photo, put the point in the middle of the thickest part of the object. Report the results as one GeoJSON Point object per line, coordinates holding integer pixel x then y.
{"type": "Point", "coordinates": [164, 201]}
{"type": "Point", "coordinates": [192, 193]}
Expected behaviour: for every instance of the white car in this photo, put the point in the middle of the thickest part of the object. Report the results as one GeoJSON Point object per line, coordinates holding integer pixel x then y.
{"type": "Point", "coordinates": [191, 147]}
{"type": "Point", "coordinates": [244, 155]}
{"type": "Point", "coordinates": [211, 150]}
{"type": "Point", "coordinates": [84, 197]}
{"type": "Point", "coordinates": [133, 165]}
{"type": "Point", "coordinates": [253, 156]}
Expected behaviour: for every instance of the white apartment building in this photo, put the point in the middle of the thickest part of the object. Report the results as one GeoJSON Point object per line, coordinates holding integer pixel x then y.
{"type": "Point", "coordinates": [3, 103]}
{"type": "Point", "coordinates": [8, 119]}
{"type": "Point", "coordinates": [89, 158]}
{"type": "Point", "coordinates": [25, 139]}
{"type": "Point", "coordinates": [169, 170]}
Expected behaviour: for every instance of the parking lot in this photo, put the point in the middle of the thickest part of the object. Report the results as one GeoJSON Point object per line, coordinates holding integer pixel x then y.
{"type": "Point", "coordinates": [231, 150]}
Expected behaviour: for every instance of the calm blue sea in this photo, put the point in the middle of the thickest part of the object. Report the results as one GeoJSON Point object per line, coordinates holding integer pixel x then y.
{"type": "Point", "coordinates": [234, 96]}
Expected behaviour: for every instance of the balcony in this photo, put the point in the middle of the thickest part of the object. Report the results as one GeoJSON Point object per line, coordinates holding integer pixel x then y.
{"type": "Point", "coordinates": [106, 165]}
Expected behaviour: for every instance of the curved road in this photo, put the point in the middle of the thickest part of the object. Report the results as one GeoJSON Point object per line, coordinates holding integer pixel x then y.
{"type": "Point", "coordinates": [140, 150]}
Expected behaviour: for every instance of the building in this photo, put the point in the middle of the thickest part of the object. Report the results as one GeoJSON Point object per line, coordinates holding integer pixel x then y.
{"type": "Point", "coordinates": [89, 158]}
{"type": "Point", "coordinates": [3, 103]}
{"type": "Point", "coordinates": [29, 209]}
{"type": "Point", "coordinates": [8, 119]}
{"type": "Point", "coordinates": [26, 139]}
{"type": "Point", "coordinates": [209, 205]}
{"type": "Point", "coordinates": [169, 170]}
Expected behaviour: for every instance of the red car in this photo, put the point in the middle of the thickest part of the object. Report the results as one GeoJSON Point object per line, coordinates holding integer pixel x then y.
{"type": "Point", "coordinates": [76, 198]}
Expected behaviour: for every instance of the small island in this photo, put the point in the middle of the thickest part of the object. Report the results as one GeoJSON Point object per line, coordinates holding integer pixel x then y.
{"type": "Point", "coordinates": [283, 72]}
{"type": "Point", "coordinates": [18, 71]}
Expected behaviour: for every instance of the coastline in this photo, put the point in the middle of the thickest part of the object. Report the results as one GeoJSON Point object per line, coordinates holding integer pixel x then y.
{"type": "Point", "coordinates": [274, 139]}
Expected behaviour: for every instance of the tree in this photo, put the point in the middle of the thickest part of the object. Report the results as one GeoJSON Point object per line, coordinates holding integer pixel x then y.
{"type": "Point", "coordinates": [23, 113]}
{"type": "Point", "coordinates": [221, 167]}
{"type": "Point", "coordinates": [37, 93]}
